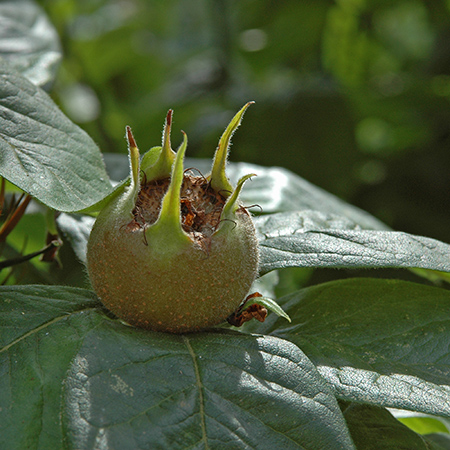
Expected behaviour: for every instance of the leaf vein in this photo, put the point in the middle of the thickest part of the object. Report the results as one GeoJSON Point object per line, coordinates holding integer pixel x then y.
{"type": "Point", "coordinates": [251, 414]}
{"type": "Point", "coordinates": [39, 328]}
{"type": "Point", "coordinates": [200, 390]}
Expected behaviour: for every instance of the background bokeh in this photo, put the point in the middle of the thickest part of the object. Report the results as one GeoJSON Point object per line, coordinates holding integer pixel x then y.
{"type": "Point", "coordinates": [352, 95]}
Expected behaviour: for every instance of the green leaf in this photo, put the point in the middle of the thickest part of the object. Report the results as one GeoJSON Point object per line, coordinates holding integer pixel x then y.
{"type": "Point", "coordinates": [374, 428]}
{"type": "Point", "coordinates": [383, 342]}
{"type": "Point", "coordinates": [40, 331]}
{"type": "Point", "coordinates": [71, 373]}
{"type": "Point", "coordinates": [29, 42]}
{"type": "Point", "coordinates": [314, 239]}
{"type": "Point", "coordinates": [271, 305]}
{"type": "Point", "coordinates": [442, 440]}
{"type": "Point", "coordinates": [43, 152]}
{"type": "Point", "coordinates": [76, 228]}
{"type": "Point", "coordinates": [423, 424]}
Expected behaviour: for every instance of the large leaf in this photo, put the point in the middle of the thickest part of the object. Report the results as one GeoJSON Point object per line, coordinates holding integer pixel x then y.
{"type": "Point", "coordinates": [314, 239]}
{"type": "Point", "coordinates": [374, 428]}
{"type": "Point", "coordinates": [28, 41]}
{"type": "Point", "coordinates": [70, 372]}
{"type": "Point", "coordinates": [383, 342]}
{"type": "Point", "coordinates": [43, 152]}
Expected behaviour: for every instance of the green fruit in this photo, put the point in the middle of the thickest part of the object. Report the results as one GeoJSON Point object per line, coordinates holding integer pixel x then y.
{"type": "Point", "coordinates": [173, 251]}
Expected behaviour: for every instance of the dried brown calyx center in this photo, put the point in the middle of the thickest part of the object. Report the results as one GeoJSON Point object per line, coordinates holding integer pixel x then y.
{"type": "Point", "coordinates": [201, 206]}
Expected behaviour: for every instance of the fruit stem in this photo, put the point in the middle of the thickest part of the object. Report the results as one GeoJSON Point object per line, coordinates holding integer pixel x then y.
{"type": "Point", "coordinates": [218, 177]}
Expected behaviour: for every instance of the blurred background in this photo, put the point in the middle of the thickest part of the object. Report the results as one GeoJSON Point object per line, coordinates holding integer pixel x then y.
{"type": "Point", "coordinates": [352, 95]}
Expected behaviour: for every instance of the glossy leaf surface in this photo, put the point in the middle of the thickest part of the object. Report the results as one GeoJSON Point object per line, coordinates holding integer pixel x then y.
{"type": "Point", "coordinates": [29, 42]}
{"type": "Point", "coordinates": [383, 342]}
{"type": "Point", "coordinates": [43, 152]}
{"type": "Point", "coordinates": [315, 239]}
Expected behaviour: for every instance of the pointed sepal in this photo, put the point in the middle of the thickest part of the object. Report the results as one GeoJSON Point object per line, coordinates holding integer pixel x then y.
{"type": "Point", "coordinates": [156, 166]}
{"type": "Point", "coordinates": [167, 231]}
{"type": "Point", "coordinates": [133, 155]}
{"type": "Point", "coordinates": [131, 187]}
{"type": "Point", "coordinates": [232, 204]}
{"type": "Point", "coordinates": [218, 177]}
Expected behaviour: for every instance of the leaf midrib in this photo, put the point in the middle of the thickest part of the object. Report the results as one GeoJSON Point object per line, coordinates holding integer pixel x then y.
{"type": "Point", "coordinates": [40, 328]}
{"type": "Point", "coordinates": [200, 390]}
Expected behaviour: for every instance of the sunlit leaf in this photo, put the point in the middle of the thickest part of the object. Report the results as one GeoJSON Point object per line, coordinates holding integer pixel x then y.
{"type": "Point", "coordinates": [28, 41]}
{"type": "Point", "coordinates": [43, 152]}
{"type": "Point", "coordinates": [383, 342]}
{"type": "Point", "coordinates": [314, 239]}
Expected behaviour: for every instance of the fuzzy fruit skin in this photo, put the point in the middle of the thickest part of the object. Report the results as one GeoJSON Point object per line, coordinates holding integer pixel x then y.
{"type": "Point", "coordinates": [183, 291]}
